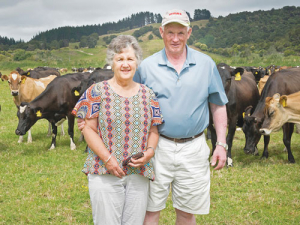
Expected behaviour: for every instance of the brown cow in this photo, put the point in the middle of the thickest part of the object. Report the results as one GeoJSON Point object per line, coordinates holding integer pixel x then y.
{"type": "Point", "coordinates": [63, 70]}
{"type": "Point", "coordinates": [264, 79]}
{"type": "Point", "coordinates": [25, 89]}
{"type": "Point", "coordinates": [284, 82]}
{"type": "Point", "coordinates": [261, 83]}
{"type": "Point", "coordinates": [280, 110]}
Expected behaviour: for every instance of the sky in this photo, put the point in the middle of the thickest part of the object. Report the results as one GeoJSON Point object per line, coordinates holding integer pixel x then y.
{"type": "Point", "coordinates": [23, 19]}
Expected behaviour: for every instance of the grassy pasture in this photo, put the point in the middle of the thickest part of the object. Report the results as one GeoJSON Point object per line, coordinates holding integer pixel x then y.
{"type": "Point", "coordinates": [38, 186]}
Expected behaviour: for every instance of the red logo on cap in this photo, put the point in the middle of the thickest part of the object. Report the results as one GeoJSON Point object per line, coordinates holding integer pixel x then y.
{"type": "Point", "coordinates": [175, 13]}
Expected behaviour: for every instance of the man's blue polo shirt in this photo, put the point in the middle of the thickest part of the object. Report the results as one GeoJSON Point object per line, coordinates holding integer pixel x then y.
{"type": "Point", "coordinates": [184, 97]}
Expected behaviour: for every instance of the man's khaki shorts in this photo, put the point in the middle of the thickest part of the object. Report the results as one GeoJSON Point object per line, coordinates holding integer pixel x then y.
{"type": "Point", "coordinates": [185, 167]}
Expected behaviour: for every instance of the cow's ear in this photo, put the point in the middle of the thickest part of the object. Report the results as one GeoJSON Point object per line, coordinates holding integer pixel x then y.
{"type": "Point", "coordinates": [38, 111]}
{"type": "Point", "coordinates": [23, 79]}
{"type": "Point", "coordinates": [4, 77]}
{"type": "Point", "coordinates": [268, 99]}
{"type": "Point", "coordinates": [254, 71]}
{"type": "Point", "coordinates": [76, 90]}
{"type": "Point", "coordinates": [237, 72]}
{"type": "Point", "coordinates": [283, 100]}
{"type": "Point", "coordinates": [248, 111]}
{"type": "Point", "coordinates": [276, 97]}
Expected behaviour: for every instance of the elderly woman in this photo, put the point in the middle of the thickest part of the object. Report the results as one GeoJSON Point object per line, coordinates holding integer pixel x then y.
{"type": "Point", "coordinates": [121, 119]}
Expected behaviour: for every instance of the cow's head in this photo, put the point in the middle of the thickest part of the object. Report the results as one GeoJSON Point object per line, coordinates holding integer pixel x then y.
{"type": "Point", "coordinates": [27, 116]}
{"type": "Point", "coordinates": [251, 130]}
{"type": "Point", "coordinates": [270, 69]}
{"type": "Point", "coordinates": [236, 72]}
{"type": "Point", "coordinates": [15, 80]}
{"type": "Point", "coordinates": [258, 73]}
{"type": "Point", "coordinates": [80, 89]}
{"type": "Point", "coordinates": [274, 114]}
{"type": "Point", "coordinates": [224, 71]}
{"type": "Point", "coordinates": [228, 73]}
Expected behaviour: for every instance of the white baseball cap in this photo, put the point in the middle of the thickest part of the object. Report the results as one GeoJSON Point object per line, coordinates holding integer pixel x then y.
{"type": "Point", "coordinates": [176, 16]}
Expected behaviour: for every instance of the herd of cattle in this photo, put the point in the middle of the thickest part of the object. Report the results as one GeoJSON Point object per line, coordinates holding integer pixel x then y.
{"type": "Point", "coordinates": [260, 100]}
{"type": "Point", "coordinates": [55, 102]}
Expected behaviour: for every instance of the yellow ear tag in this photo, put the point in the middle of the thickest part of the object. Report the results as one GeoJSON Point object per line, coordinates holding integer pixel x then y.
{"type": "Point", "coordinates": [39, 114]}
{"type": "Point", "coordinates": [238, 76]}
{"type": "Point", "coordinates": [23, 81]}
{"type": "Point", "coordinates": [76, 93]}
{"type": "Point", "coordinates": [243, 114]}
{"type": "Point", "coordinates": [284, 103]}
{"type": "Point", "coordinates": [256, 72]}
{"type": "Point", "coordinates": [28, 73]}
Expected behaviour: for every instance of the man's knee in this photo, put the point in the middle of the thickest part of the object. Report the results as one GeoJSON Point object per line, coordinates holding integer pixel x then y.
{"type": "Point", "coordinates": [184, 217]}
{"type": "Point", "coordinates": [151, 218]}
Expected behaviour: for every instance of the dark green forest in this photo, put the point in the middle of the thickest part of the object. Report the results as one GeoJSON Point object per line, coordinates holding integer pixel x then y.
{"type": "Point", "coordinates": [250, 31]}
{"type": "Point", "coordinates": [240, 33]}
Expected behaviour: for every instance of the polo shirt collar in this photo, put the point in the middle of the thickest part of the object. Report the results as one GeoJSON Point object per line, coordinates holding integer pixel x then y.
{"type": "Point", "coordinates": [190, 60]}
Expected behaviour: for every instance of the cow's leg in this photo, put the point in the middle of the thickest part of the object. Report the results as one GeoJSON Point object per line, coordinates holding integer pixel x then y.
{"type": "Point", "coordinates": [229, 138]}
{"type": "Point", "coordinates": [71, 120]}
{"type": "Point", "coordinates": [29, 138]}
{"type": "Point", "coordinates": [54, 134]}
{"type": "Point", "coordinates": [62, 132]}
{"type": "Point", "coordinates": [20, 139]}
{"type": "Point", "coordinates": [266, 144]}
{"type": "Point", "coordinates": [213, 137]}
{"type": "Point", "coordinates": [208, 134]}
{"type": "Point", "coordinates": [49, 130]}
{"type": "Point", "coordinates": [297, 128]}
{"type": "Point", "coordinates": [81, 138]}
{"type": "Point", "coordinates": [60, 123]}
{"type": "Point", "coordinates": [288, 130]}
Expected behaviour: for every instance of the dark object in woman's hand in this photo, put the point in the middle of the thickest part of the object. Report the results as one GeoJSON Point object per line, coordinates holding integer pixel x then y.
{"type": "Point", "coordinates": [134, 156]}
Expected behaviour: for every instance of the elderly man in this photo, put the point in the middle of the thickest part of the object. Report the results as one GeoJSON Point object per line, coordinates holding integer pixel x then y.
{"type": "Point", "coordinates": [185, 82]}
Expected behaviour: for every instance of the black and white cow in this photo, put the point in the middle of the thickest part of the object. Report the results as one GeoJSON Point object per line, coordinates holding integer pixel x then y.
{"type": "Point", "coordinates": [54, 104]}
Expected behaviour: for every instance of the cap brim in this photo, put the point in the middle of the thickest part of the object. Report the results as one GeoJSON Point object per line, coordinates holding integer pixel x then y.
{"type": "Point", "coordinates": [176, 21]}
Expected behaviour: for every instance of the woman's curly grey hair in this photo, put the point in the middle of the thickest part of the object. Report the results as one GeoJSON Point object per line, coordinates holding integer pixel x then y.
{"type": "Point", "coordinates": [121, 42]}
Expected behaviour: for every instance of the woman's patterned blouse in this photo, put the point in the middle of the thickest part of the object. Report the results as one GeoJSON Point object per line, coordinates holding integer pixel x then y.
{"type": "Point", "coordinates": [123, 124]}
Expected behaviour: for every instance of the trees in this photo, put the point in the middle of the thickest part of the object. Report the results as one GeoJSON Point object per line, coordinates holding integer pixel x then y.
{"type": "Point", "coordinates": [76, 33]}
{"type": "Point", "coordinates": [21, 54]}
{"type": "Point", "coordinates": [294, 36]}
{"type": "Point", "coordinates": [107, 39]}
{"type": "Point", "coordinates": [64, 43]}
{"type": "Point", "coordinates": [201, 14]}
{"type": "Point", "coordinates": [260, 29]}
{"type": "Point", "coordinates": [142, 31]}
{"type": "Point", "coordinates": [191, 19]}
{"type": "Point", "coordinates": [89, 41]}
{"type": "Point", "coordinates": [54, 45]}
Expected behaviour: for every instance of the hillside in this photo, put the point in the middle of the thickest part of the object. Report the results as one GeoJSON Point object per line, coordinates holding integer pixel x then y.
{"type": "Point", "coordinates": [240, 39]}
{"type": "Point", "coordinates": [278, 26]}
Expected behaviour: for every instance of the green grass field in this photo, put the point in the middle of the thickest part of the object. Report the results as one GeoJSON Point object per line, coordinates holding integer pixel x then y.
{"type": "Point", "coordinates": [39, 186]}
